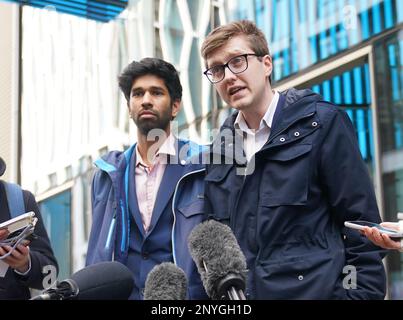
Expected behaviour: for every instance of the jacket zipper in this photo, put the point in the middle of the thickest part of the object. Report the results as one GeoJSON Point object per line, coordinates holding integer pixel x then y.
{"type": "Point", "coordinates": [111, 228]}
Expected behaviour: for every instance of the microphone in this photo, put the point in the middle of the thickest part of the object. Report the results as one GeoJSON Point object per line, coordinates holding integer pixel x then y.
{"type": "Point", "coordinates": [109, 280]}
{"type": "Point", "coordinates": [165, 281]}
{"type": "Point", "coordinates": [219, 260]}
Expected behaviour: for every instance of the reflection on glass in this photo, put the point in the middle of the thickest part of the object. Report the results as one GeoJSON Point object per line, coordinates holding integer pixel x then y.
{"type": "Point", "coordinates": [55, 212]}
{"type": "Point", "coordinates": [175, 30]}
{"type": "Point", "coordinates": [389, 72]}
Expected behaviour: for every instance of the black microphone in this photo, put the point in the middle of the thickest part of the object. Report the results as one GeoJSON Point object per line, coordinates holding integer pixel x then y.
{"type": "Point", "coordinates": [165, 281]}
{"type": "Point", "coordinates": [109, 280]}
{"type": "Point", "coordinates": [219, 260]}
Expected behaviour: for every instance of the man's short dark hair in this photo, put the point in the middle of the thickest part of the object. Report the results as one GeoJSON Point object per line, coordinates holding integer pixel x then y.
{"type": "Point", "coordinates": [156, 67]}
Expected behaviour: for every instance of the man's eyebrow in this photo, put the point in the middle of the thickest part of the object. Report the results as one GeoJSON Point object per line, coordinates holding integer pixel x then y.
{"type": "Point", "coordinates": [148, 88]}
{"type": "Point", "coordinates": [229, 56]}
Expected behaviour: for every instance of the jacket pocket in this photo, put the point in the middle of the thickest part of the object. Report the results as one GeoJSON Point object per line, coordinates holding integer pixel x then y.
{"type": "Point", "coordinates": [312, 276]}
{"type": "Point", "coordinates": [193, 208]}
{"type": "Point", "coordinates": [286, 176]}
{"type": "Point", "coordinates": [219, 190]}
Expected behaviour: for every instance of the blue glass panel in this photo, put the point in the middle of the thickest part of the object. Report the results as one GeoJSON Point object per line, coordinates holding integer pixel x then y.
{"type": "Point", "coordinates": [399, 10]}
{"type": "Point", "coordinates": [398, 135]}
{"type": "Point", "coordinates": [337, 90]}
{"type": "Point", "coordinates": [347, 89]}
{"type": "Point", "coordinates": [353, 32]}
{"type": "Point", "coordinates": [55, 212]}
{"type": "Point", "coordinates": [343, 35]}
{"type": "Point", "coordinates": [312, 32]}
{"type": "Point", "coordinates": [376, 18]}
{"type": "Point", "coordinates": [316, 89]}
{"type": "Point", "coordinates": [333, 31]}
{"type": "Point", "coordinates": [362, 141]}
{"type": "Point", "coordinates": [364, 19]}
{"type": "Point", "coordinates": [286, 63]}
{"type": "Point", "coordinates": [326, 91]}
{"type": "Point", "coordinates": [96, 10]}
{"type": "Point", "coordinates": [294, 34]}
{"type": "Point", "coordinates": [370, 134]}
{"type": "Point", "coordinates": [358, 86]}
{"type": "Point", "coordinates": [303, 34]}
{"type": "Point", "coordinates": [388, 13]}
{"type": "Point", "coordinates": [322, 27]}
{"type": "Point", "coordinates": [350, 113]}
{"type": "Point", "coordinates": [394, 73]}
{"type": "Point", "coordinates": [367, 84]}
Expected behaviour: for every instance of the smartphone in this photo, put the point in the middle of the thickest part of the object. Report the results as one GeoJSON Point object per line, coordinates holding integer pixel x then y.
{"type": "Point", "coordinates": [19, 223]}
{"type": "Point", "coordinates": [359, 225]}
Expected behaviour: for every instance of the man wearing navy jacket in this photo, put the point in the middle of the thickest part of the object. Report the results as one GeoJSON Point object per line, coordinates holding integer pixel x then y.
{"type": "Point", "coordinates": [146, 200]}
{"type": "Point", "coordinates": [295, 177]}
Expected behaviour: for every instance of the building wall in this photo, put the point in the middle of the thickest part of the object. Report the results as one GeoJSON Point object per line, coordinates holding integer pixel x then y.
{"type": "Point", "coordinates": [9, 89]}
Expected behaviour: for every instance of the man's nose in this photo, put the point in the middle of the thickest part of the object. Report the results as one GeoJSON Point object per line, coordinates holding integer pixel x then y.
{"type": "Point", "coordinates": [146, 99]}
{"type": "Point", "coordinates": [229, 76]}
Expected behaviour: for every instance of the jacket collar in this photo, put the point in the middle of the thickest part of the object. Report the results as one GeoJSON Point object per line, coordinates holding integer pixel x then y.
{"type": "Point", "coordinates": [293, 105]}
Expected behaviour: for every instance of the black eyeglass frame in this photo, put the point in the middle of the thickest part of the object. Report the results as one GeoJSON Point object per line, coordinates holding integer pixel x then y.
{"type": "Point", "coordinates": [226, 65]}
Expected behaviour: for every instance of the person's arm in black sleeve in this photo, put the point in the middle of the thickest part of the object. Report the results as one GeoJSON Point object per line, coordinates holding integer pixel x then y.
{"type": "Point", "coordinates": [41, 253]}
{"type": "Point", "coordinates": [351, 196]}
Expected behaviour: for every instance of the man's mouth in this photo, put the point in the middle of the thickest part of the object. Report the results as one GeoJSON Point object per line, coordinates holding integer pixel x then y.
{"type": "Point", "coordinates": [235, 90]}
{"type": "Point", "coordinates": [147, 114]}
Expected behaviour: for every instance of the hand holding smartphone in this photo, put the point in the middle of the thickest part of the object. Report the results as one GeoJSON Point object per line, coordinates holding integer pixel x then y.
{"type": "Point", "coordinates": [359, 225]}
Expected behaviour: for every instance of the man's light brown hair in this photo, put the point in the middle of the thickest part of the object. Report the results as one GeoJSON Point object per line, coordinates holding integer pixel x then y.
{"type": "Point", "coordinates": [220, 35]}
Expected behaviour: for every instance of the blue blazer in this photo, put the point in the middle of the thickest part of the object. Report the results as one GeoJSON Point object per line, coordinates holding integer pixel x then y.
{"type": "Point", "coordinates": [117, 232]}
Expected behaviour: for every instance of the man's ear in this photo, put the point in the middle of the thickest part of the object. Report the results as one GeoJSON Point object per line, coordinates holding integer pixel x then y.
{"type": "Point", "coordinates": [128, 109]}
{"type": "Point", "coordinates": [176, 105]}
{"type": "Point", "coordinates": [267, 61]}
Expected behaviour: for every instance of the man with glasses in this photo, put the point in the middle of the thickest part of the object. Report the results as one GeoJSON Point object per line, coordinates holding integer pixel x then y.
{"type": "Point", "coordinates": [301, 177]}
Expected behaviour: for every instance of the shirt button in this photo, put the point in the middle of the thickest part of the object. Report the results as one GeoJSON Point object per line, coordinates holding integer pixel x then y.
{"type": "Point", "coordinates": [296, 134]}
{"type": "Point", "coordinates": [145, 255]}
{"type": "Point", "coordinates": [300, 277]}
{"type": "Point", "coordinates": [282, 139]}
{"type": "Point", "coordinates": [314, 124]}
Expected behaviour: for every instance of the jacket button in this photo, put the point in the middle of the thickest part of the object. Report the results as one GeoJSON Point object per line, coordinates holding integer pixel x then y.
{"type": "Point", "coordinates": [296, 134]}
{"type": "Point", "coordinates": [314, 124]}
{"type": "Point", "coordinates": [282, 139]}
{"type": "Point", "coordinates": [145, 255]}
{"type": "Point", "coordinates": [183, 162]}
{"type": "Point", "coordinates": [300, 277]}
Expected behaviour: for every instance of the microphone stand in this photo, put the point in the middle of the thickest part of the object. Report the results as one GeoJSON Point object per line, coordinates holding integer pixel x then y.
{"type": "Point", "coordinates": [65, 290]}
{"type": "Point", "coordinates": [231, 287]}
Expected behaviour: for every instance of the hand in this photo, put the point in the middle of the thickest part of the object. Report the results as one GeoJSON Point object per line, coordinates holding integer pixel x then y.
{"type": "Point", "coordinates": [18, 259]}
{"type": "Point", "coordinates": [381, 239]}
{"type": "Point", "coordinates": [3, 234]}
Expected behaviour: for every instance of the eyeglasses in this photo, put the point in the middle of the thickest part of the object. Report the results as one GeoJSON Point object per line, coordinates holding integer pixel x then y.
{"type": "Point", "coordinates": [236, 65]}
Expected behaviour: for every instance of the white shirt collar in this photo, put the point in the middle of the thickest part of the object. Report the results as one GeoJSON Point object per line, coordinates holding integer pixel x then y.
{"type": "Point", "coordinates": [266, 121]}
{"type": "Point", "coordinates": [167, 148]}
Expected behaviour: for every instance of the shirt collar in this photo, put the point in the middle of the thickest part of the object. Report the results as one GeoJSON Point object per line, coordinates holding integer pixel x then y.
{"type": "Point", "coordinates": [167, 149]}
{"type": "Point", "coordinates": [266, 121]}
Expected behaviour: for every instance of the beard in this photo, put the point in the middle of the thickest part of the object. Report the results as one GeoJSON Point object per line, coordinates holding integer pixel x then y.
{"type": "Point", "coordinates": [160, 121]}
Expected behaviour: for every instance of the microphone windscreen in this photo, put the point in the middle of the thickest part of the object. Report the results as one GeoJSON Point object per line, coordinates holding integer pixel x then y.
{"type": "Point", "coordinates": [213, 246]}
{"type": "Point", "coordinates": [109, 280]}
{"type": "Point", "coordinates": [165, 281]}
